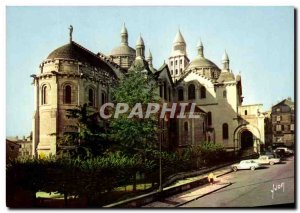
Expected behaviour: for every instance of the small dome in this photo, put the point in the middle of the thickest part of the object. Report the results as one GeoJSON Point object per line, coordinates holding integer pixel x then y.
{"type": "Point", "coordinates": [123, 50]}
{"type": "Point", "coordinates": [238, 77]}
{"type": "Point", "coordinates": [225, 77]}
{"type": "Point", "coordinates": [201, 62]}
{"type": "Point", "coordinates": [140, 41]}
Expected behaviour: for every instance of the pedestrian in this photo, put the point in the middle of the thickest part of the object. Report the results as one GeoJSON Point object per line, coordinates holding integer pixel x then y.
{"type": "Point", "coordinates": [211, 178]}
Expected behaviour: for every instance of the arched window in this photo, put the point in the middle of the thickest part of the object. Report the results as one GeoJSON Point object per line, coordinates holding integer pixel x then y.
{"type": "Point", "coordinates": [224, 94]}
{"type": "Point", "coordinates": [191, 91]}
{"type": "Point", "coordinates": [209, 119]}
{"type": "Point", "coordinates": [246, 112]}
{"type": "Point", "coordinates": [180, 94]}
{"type": "Point", "coordinates": [176, 71]}
{"type": "Point", "coordinates": [186, 126]}
{"type": "Point", "coordinates": [91, 97]}
{"type": "Point", "coordinates": [44, 95]}
{"type": "Point", "coordinates": [202, 92]}
{"type": "Point", "coordinates": [103, 98]}
{"type": "Point", "coordinates": [225, 131]}
{"type": "Point", "coordinates": [67, 94]}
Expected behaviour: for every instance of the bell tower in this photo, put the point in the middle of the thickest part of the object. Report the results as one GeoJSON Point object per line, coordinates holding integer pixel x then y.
{"type": "Point", "coordinates": [178, 59]}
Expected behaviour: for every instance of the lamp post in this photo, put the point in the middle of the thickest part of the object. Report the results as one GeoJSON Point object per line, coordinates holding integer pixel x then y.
{"type": "Point", "coordinates": [160, 144]}
{"type": "Point", "coordinates": [162, 125]}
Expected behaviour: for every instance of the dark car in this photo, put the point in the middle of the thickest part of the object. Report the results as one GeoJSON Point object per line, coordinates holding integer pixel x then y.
{"type": "Point", "coordinates": [281, 153]}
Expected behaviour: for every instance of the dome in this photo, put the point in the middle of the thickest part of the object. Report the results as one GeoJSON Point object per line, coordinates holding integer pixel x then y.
{"type": "Point", "coordinates": [123, 50]}
{"type": "Point", "coordinates": [201, 62]}
{"type": "Point", "coordinates": [225, 77]}
{"type": "Point", "coordinates": [74, 51]}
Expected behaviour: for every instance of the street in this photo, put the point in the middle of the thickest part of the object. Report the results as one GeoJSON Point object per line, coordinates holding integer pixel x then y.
{"type": "Point", "coordinates": [271, 185]}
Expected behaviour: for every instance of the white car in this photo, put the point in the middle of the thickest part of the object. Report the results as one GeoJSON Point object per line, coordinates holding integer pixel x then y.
{"type": "Point", "coordinates": [246, 164]}
{"type": "Point", "coordinates": [267, 159]}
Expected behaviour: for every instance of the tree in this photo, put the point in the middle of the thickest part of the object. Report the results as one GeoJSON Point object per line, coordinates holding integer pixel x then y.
{"type": "Point", "coordinates": [135, 135]}
{"type": "Point", "coordinates": [87, 137]}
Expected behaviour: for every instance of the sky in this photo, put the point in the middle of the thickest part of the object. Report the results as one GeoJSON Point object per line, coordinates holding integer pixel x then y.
{"type": "Point", "coordinates": [258, 40]}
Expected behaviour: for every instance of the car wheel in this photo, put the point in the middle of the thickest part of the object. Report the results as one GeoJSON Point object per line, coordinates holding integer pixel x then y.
{"type": "Point", "coordinates": [234, 168]}
{"type": "Point", "coordinates": [252, 168]}
{"type": "Point", "coordinates": [271, 163]}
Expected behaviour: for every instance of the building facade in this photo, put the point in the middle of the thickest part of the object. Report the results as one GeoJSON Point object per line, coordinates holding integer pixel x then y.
{"type": "Point", "coordinates": [283, 122]}
{"type": "Point", "coordinates": [72, 75]}
{"type": "Point", "coordinates": [18, 148]}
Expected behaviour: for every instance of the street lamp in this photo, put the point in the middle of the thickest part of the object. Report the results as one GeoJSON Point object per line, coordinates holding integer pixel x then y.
{"type": "Point", "coordinates": [160, 165]}
{"type": "Point", "coordinates": [162, 126]}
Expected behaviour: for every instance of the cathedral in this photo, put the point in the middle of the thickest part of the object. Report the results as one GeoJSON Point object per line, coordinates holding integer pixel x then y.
{"type": "Point", "coordinates": [72, 75]}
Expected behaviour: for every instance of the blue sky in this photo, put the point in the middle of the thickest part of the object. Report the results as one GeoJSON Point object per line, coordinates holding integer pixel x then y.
{"type": "Point", "coordinates": [258, 40]}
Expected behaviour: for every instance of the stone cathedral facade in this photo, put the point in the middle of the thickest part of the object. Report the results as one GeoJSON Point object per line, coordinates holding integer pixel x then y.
{"type": "Point", "coordinates": [72, 75]}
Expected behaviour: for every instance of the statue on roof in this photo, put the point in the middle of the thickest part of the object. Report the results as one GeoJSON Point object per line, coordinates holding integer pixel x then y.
{"type": "Point", "coordinates": [71, 32]}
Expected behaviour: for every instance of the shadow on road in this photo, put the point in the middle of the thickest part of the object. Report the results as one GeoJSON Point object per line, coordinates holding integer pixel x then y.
{"type": "Point", "coordinates": [253, 184]}
{"type": "Point", "coordinates": [281, 162]}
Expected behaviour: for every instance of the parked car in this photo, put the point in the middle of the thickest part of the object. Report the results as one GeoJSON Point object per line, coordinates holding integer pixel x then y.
{"type": "Point", "coordinates": [246, 164]}
{"type": "Point", "coordinates": [267, 159]}
{"type": "Point", "coordinates": [283, 151]}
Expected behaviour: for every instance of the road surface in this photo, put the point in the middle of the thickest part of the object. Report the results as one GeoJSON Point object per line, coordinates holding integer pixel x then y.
{"type": "Point", "coordinates": [253, 188]}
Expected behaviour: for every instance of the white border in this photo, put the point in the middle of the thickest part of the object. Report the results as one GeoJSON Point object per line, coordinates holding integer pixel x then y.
{"type": "Point", "coordinates": [5, 3]}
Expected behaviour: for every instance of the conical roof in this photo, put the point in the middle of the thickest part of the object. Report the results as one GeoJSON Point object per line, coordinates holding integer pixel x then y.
{"type": "Point", "coordinates": [199, 44]}
{"type": "Point", "coordinates": [124, 29]}
{"type": "Point", "coordinates": [225, 56]}
{"type": "Point", "coordinates": [149, 55]}
{"type": "Point", "coordinates": [140, 41]}
{"type": "Point", "coordinates": [179, 38]}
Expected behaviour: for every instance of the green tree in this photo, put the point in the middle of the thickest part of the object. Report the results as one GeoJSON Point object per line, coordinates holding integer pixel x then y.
{"type": "Point", "coordinates": [87, 137]}
{"type": "Point", "coordinates": [135, 135]}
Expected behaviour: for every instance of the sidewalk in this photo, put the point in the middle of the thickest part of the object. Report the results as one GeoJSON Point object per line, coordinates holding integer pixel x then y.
{"type": "Point", "coordinates": [217, 173]}
{"type": "Point", "coordinates": [192, 194]}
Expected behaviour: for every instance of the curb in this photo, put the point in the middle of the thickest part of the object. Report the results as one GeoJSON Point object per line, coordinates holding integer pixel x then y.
{"type": "Point", "coordinates": [178, 205]}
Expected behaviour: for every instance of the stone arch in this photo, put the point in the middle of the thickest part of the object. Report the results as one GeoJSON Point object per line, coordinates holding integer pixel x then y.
{"type": "Point", "coordinates": [246, 130]}
{"type": "Point", "coordinates": [91, 96]}
{"type": "Point", "coordinates": [74, 92]}
{"type": "Point", "coordinates": [45, 93]}
{"type": "Point", "coordinates": [180, 93]}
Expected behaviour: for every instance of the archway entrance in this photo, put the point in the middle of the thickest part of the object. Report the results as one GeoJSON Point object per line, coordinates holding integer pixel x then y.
{"type": "Point", "coordinates": [247, 140]}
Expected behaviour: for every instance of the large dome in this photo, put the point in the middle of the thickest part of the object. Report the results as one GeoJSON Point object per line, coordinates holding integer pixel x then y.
{"type": "Point", "coordinates": [201, 62]}
{"type": "Point", "coordinates": [123, 50]}
{"type": "Point", "coordinates": [74, 51]}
